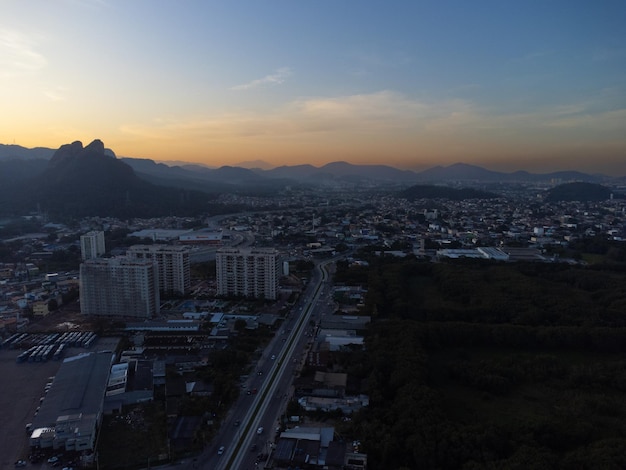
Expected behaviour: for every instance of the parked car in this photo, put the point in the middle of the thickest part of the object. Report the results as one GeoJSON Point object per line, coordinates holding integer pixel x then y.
{"type": "Point", "coordinates": [260, 430]}
{"type": "Point", "coordinates": [20, 463]}
{"type": "Point", "coordinates": [220, 451]}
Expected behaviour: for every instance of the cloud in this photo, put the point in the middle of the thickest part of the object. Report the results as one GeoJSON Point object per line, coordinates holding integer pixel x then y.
{"type": "Point", "coordinates": [18, 54]}
{"type": "Point", "coordinates": [58, 94]}
{"type": "Point", "coordinates": [276, 78]}
{"type": "Point", "coordinates": [88, 3]}
{"type": "Point", "coordinates": [388, 118]}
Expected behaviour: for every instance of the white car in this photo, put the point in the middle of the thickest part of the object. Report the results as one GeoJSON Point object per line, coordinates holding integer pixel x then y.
{"type": "Point", "coordinates": [220, 451]}
{"type": "Point", "coordinates": [260, 430]}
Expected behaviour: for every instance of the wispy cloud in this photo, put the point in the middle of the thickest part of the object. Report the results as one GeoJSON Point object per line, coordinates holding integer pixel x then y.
{"type": "Point", "coordinates": [276, 78]}
{"type": "Point", "coordinates": [18, 54]}
{"type": "Point", "coordinates": [89, 3]}
{"type": "Point", "coordinates": [57, 94]}
{"type": "Point", "coordinates": [378, 117]}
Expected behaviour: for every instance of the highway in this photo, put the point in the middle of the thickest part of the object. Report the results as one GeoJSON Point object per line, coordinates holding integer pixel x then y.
{"type": "Point", "coordinates": [266, 394]}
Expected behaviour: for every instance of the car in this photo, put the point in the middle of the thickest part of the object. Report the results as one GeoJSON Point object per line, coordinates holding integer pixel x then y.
{"type": "Point", "coordinates": [237, 423]}
{"type": "Point", "coordinates": [273, 357]}
{"type": "Point", "coordinates": [253, 448]}
{"type": "Point", "coordinates": [254, 390]}
{"type": "Point", "coordinates": [260, 430]}
{"type": "Point", "coordinates": [220, 451]}
{"type": "Point", "coordinates": [20, 463]}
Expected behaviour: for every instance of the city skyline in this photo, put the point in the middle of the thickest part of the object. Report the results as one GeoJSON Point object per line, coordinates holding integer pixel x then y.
{"type": "Point", "coordinates": [535, 86]}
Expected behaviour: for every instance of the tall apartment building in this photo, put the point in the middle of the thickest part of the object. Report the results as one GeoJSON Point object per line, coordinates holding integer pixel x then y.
{"type": "Point", "coordinates": [92, 245]}
{"type": "Point", "coordinates": [248, 272]}
{"type": "Point", "coordinates": [119, 287]}
{"type": "Point", "coordinates": [173, 264]}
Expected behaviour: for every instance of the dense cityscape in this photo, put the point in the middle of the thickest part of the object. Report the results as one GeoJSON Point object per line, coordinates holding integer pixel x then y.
{"type": "Point", "coordinates": [312, 235]}
{"type": "Point", "coordinates": [233, 336]}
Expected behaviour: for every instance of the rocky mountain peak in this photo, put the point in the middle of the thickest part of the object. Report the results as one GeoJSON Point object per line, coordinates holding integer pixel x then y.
{"type": "Point", "coordinates": [75, 150]}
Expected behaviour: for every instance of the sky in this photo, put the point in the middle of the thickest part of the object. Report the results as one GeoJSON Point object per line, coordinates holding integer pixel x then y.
{"type": "Point", "coordinates": [507, 85]}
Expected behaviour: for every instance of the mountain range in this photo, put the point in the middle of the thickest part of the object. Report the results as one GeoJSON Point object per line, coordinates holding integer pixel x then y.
{"type": "Point", "coordinates": [258, 174]}
{"type": "Point", "coordinates": [76, 181]}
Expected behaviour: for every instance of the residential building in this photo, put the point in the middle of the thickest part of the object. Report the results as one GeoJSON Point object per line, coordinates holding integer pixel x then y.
{"type": "Point", "coordinates": [173, 264]}
{"type": "Point", "coordinates": [252, 272]}
{"type": "Point", "coordinates": [119, 286]}
{"type": "Point", "coordinates": [92, 245]}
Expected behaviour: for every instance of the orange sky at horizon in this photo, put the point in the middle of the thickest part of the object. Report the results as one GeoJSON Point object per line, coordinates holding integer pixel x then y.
{"type": "Point", "coordinates": [414, 86]}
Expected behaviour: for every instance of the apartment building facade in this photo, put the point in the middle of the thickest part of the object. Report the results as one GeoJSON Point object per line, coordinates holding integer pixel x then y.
{"type": "Point", "coordinates": [173, 265]}
{"type": "Point", "coordinates": [248, 272]}
{"type": "Point", "coordinates": [92, 245]}
{"type": "Point", "coordinates": [119, 287]}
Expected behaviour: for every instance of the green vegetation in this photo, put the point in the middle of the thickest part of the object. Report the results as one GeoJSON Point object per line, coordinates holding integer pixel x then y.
{"type": "Point", "coordinates": [135, 438]}
{"type": "Point", "coordinates": [579, 191]}
{"type": "Point", "coordinates": [484, 365]}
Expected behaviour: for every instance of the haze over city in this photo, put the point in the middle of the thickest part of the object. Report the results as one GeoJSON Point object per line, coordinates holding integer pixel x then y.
{"type": "Point", "coordinates": [539, 86]}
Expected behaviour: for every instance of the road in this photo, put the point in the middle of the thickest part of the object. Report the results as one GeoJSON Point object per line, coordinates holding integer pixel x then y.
{"type": "Point", "coordinates": [278, 364]}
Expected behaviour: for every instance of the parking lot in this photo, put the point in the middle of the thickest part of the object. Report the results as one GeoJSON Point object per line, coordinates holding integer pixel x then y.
{"type": "Point", "coordinates": [22, 387]}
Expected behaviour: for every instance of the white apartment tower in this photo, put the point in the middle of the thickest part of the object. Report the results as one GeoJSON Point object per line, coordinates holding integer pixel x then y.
{"type": "Point", "coordinates": [248, 272]}
{"type": "Point", "coordinates": [173, 264]}
{"type": "Point", "coordinates": [119, 287]}
{"type": "Point", "coordinates": [92, 245]}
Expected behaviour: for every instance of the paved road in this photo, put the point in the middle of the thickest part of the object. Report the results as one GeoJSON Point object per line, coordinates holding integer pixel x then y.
{"type": "Point", "coordinates": [273, 389]}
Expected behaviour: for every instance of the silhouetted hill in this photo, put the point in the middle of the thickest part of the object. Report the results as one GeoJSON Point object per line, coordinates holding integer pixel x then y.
{"type": "Point", "coordinates": [226, 178]}
{"type": "Point", "coordinates": [255, 164]}
{"type": "Point", "coordinates": [579, 192]}
{"type": "Point", "coordinates": [80, 181]}
{"type": "Point", "coordinates": [465, 172]}
{"type": "Point", "coordinates": [293, 171]}
{"type": "Point", "coordinates": [17, 152]}
{"type": "Point", "coordinates": [373, 172]}
{"type": "Point", "coordinates": [460, 171]}
{"type": "Point", "coordinates": [442, 192]}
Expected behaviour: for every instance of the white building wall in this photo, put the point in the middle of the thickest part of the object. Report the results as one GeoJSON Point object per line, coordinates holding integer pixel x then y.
{"type": "Point", "coordinates": [173, 264]}
{"type": "Point", "coordinates": [92, 245]}
{"type": "Point", "coordinates": [248, 272]}
{"type": "Point", "coordinates": [119, 287]}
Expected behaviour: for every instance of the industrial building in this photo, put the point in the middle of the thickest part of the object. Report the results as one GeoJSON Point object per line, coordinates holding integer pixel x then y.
{"type": "Point", "coordinates": [119, 287]}
{"type": "Point", "coordinates": [72, 410]}
{"type": "Point", "coordinates": [248, 272]}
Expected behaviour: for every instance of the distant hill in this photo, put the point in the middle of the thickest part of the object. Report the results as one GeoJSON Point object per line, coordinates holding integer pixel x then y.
{"type": "Point", "coordinates": [579, 192]}
{"type": "Point", "coordinates": [341, 170]}
{"type": "Point", "coordinates": [442, 192]}
{"type": "Point", "coordinates": [251, 165]}
{"type": "Point", "coordinates": [256, 175]}
{"type": "Point", "coordinates": [198, 177]}
{"type": "Point", "coordinates": [80, 181]}
{"type": "Point", "coordinates": [17, 152]}
{"type": "Point", "coordinates": [465, 172]}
